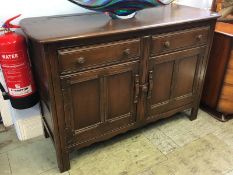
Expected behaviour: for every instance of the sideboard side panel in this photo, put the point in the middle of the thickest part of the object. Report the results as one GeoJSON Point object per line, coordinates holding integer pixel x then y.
{"type": "Point", "coordinates": [57, 109]}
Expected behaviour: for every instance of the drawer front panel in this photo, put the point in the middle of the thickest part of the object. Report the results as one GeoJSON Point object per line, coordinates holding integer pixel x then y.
{"type": "Point", "coordinates": [77, 59]}
{"type": "Point", "coordinates": [179, 40]}
{"type": "Point", "coordinates": [230, 65]}
{"type": "Point", "coordinates": [225, 103]}
{"type": "Point", "coordinates": [229, 76]}
{"type": "Point", "coordinates": [227, 92]}
{"type": "Point", "coordinates": [225, 106]}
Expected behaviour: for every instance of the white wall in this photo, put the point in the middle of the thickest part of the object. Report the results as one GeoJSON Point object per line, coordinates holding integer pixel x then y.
{"type": "Point", "coordinates": [206, 4]}
{"type": "Point", "coordinates": [32, 8]}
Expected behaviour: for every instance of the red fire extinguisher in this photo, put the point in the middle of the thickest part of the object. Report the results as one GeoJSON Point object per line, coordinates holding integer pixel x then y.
{"type": "Point", "coordinates": [16, 68]}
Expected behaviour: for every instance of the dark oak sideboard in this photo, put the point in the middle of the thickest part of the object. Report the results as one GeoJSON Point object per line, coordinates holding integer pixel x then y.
{"type": "Point", "coordinates": [99, 77]}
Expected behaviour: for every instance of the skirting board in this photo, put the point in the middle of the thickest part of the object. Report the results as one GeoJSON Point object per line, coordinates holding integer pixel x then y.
{"type": "Point", "coordinates": [28, 122]}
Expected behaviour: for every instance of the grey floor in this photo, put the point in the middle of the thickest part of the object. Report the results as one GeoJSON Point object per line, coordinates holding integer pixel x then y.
{"type": "Point", "coordinates": [174, 146]}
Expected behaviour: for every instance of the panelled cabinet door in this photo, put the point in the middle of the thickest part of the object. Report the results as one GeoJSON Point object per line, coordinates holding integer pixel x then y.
{"type": "Point", "coordinates": [101, 100]}
{"type": "Point", "coordinates": [173, 80]}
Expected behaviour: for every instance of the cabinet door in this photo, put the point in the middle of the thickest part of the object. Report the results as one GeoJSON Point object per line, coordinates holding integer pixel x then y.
{"type": "Point", "coordinates": [173, 80]}
{"type": "Point", "coordinates": [101, 100]}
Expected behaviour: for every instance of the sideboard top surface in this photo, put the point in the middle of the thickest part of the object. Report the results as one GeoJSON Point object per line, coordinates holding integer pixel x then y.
{"type": "Point", "coordinates": [78, 26]}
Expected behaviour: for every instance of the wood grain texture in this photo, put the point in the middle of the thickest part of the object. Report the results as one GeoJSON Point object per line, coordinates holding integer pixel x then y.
{"type": "Point", "coordinates": [179, 81]}
{"type": "Point", "coordinates": [162, 93]}
{"type": "Point", "coordinates": [229, 77]}
{"type": "Point", "coordinates": [230, 65]}
{"type": "Point", "coordinates": [172, 42]}
{"type": "Point", "coordinates": [80, 26]}
{"type": "Point", "coordinates": [186, 76]}
{"type": "Point", "coordinates": [219, 58]}
{"type": "Point", "coordinates": [98, 55]}
{"type": "Point", "coordinates": [104, 77]}
{"type": "Point", "coordinates": [225, 103]}
{"type": "Point", "coordinates": [217, 93]}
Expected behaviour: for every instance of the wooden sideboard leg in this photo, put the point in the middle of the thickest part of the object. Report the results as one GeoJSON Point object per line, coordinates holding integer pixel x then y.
{"type": "Point", "coordinates": [193, 114]}
{"type": "Point", "coordinates": [64, 162]}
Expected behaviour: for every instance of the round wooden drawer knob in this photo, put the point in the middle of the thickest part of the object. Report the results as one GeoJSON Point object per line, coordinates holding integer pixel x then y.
{"type": "Point", "coordinates": [127, 52]}
{"type": "Point", "coordinates": [199, 37]}
{"type": "Point", "coordinates": [167, 44]}
{"type": "Point", "coordinates": [81, 60]}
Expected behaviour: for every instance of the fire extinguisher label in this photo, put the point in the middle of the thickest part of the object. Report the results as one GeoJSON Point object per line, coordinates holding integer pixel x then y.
{"type": "Point", "coordinates": [18, 92]}
{"type": "Point", "coordinates": [17, 73]}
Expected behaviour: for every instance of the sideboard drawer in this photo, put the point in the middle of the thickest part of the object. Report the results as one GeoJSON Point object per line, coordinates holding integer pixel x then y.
{"type": "Point", "coordinates": [227, 92]}
{"type": "Point", "coordinates": [230, 65]}
{"type": "Point", "coordinates": [179, 40]}
{"type": "Point", "coordinates": [229, 77]}
{"type": "Point", "coordinates": [76, 59]}
{"type": "Point", "coordinates": [225, 101]}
